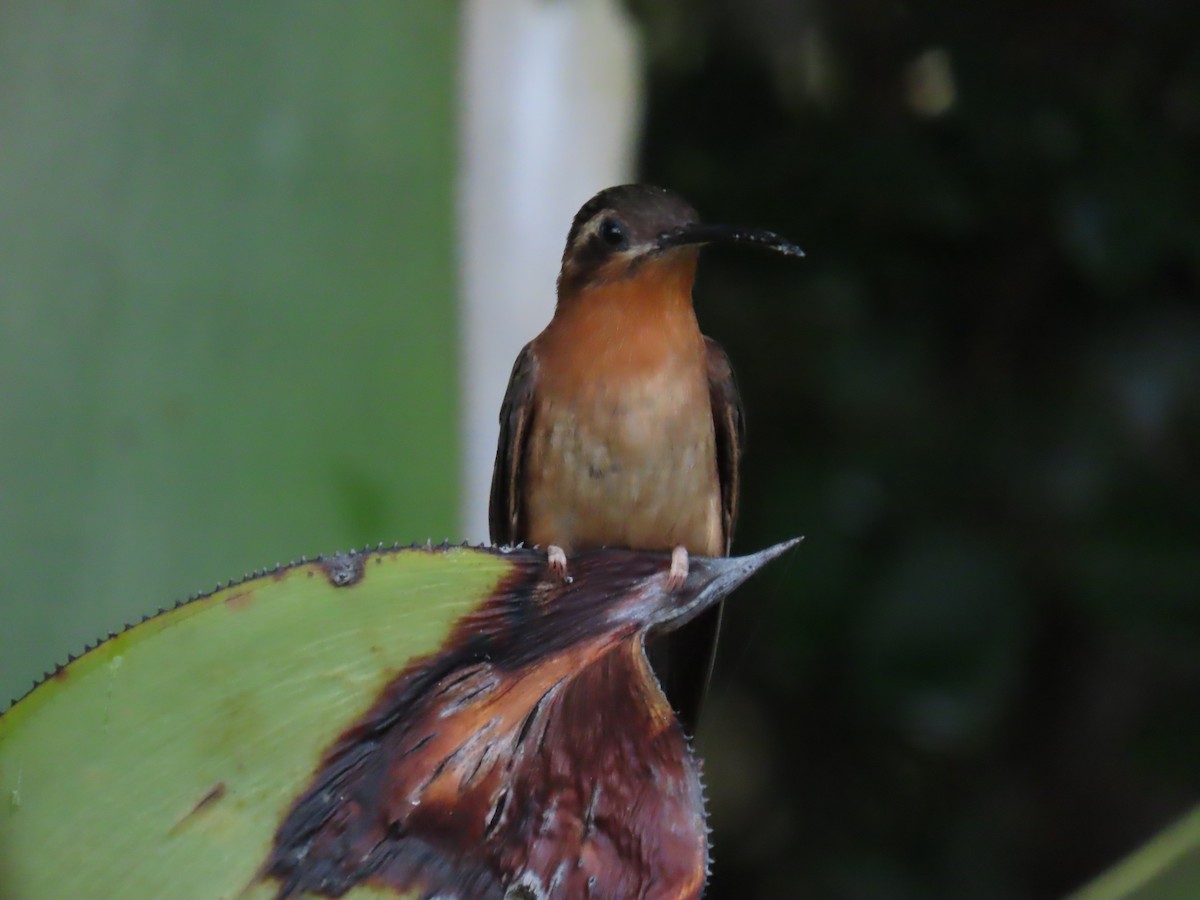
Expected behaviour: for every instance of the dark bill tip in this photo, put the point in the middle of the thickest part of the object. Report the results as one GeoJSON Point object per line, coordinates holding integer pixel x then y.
{"type": "Point", "coordinates": [728, 234]}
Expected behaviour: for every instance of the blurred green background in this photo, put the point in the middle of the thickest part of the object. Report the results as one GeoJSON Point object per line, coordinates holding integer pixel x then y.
{"type": "Point", "coordinates": [227, 336]}
{"type": "Point", "coordinates": [226, 299]}
{"type": "Point", "coordinates": [979, 398]}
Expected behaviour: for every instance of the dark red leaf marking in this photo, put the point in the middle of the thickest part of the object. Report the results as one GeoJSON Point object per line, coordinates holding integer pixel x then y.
{"type": "Point", "coordinates": [533, 755]}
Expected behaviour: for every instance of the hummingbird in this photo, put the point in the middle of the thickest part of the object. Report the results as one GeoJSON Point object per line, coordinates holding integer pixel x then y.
{"type": "Point", "coordinates": [622, 425]}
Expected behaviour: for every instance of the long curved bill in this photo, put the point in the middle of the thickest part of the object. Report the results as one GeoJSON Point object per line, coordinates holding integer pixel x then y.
{"type": "Point", "coordinates": [727, 234]}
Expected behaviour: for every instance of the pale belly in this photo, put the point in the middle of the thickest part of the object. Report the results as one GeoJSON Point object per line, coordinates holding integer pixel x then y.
{"type": "Point", "coordinates": [635, 468]}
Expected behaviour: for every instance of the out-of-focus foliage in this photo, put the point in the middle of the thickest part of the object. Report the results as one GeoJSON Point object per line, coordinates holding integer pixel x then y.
{"type": "Point", "coordinates": [1167, 868]}
{"type": "Point", "coordinates": [226, 298]}
{"type": "Point", "coordinates": [979, 397]}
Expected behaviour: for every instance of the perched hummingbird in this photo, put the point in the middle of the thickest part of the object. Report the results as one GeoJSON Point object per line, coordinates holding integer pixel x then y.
{"type": "Point", "coordinates": [622, 425]}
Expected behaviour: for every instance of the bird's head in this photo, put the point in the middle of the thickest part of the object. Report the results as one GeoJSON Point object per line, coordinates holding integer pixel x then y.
{"type": "Point", "coordinates": [631, 229]}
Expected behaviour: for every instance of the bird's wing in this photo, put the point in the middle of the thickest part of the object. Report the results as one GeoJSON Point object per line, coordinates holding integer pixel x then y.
{"type": "Point", "coordinates": [516, 414]}
{"type": "Point", "coordinates": [684, 659]}
{"type": "Point", "coordinates": [730, 434]}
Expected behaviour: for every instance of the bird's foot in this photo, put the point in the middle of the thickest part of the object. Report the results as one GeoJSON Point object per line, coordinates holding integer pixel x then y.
{"type": "Point", "coordinates": [679, 569]}
{"type": "Point", "coordinates": [556, 562]}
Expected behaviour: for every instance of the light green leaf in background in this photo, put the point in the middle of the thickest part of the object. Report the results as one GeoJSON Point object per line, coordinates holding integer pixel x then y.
{"type": "Point", "coordinates": [1166, 868]}
{"type": "Point", "coordinates": [226, 298]}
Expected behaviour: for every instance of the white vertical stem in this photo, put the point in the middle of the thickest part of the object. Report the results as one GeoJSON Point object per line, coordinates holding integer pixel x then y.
{"type": "Point", "coordinates": [550, 99]}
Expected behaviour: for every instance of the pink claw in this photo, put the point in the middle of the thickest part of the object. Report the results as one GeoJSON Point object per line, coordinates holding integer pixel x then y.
{"type": "Point", "coordinates": [679, 569]}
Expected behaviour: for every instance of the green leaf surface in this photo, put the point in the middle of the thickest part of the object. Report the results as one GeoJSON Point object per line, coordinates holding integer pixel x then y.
{"type": "Point", "coordinates": [1166, 868]}
{"type": "Point", "coordinates": [160, 763]}
{"type": "Point", "coordinates": [227, 324]}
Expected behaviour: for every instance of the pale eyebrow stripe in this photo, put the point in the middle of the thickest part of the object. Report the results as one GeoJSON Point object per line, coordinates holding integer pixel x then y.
{"type": "Point", "coordinates": [590, 227]}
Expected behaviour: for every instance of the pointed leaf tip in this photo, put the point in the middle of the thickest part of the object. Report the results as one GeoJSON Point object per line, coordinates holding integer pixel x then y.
{"type": "Point", "coordinates": [762, 557]}
{"type": "Point", "coordinates": [711, 579]}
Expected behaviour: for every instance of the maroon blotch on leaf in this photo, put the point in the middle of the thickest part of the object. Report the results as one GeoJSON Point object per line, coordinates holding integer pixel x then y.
{"type": "Point", "coordinates": [534, 755]}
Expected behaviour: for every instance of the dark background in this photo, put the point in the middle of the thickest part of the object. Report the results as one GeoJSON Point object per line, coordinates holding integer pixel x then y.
{"type": "Point", "coordinates": [979, 399]}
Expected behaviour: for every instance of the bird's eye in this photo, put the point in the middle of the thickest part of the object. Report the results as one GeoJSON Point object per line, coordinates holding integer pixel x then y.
{"type": "Point", "coordinates": [612, 233]}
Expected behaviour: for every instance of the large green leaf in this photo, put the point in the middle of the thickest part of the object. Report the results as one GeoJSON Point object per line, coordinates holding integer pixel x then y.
{"type": "Point", "coordinates": [109, 770]}
{"type": "Point", "coordinates": [341, 723]}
